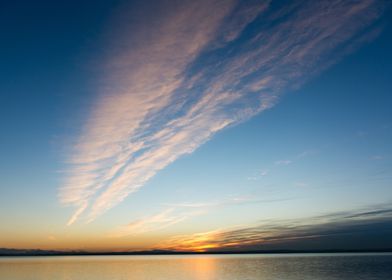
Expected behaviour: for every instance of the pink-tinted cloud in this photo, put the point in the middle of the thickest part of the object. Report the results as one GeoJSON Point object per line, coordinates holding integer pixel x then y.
{"type": "Point", "coordinates": [188, 72]}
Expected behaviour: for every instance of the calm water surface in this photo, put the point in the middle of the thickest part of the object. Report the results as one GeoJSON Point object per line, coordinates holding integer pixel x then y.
{"type": "Point", "coordinates": [219, 267]}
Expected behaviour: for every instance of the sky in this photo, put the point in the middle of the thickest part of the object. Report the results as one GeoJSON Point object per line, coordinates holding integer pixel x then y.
{"type": "Point", "coordinates": [196, 125]}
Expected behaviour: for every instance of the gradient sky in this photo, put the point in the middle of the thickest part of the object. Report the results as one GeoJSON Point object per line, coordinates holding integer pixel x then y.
{"type": "Point", "coordinates": [196, 125]}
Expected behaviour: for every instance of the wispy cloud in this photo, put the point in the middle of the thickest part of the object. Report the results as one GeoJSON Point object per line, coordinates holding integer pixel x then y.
{"type": "Point", "coordinates": [258, 175]}
{"type": "Point", "coordinates": [162, 220]}
{"type": "Point", "coordinates": [300, 184]}
{"type": "Point", "coordinates": [286, 234]}
{"type": "Point", "coordinates": [377, 157]}
{"type": "Point", "coordinates": [233, 200]}
{"type": "Point", "coordinates": [52, 238]}
{"type": "Point", "coordinates": [283, 162]}
{"type": "Point", "coordinates": [264, 172]}
{"type": "Point", "coordinates": [174, 81]}
{"type": "Point", "coordinates": [179, 212]}
{"type": "Point", "coordinates": [307, 153]}
{"type": "Point", "coordinates": [302, 155]}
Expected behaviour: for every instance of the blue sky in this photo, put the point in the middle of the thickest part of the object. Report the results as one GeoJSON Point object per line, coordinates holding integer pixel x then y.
{"type": "Point", "coordinates": [135, 125]}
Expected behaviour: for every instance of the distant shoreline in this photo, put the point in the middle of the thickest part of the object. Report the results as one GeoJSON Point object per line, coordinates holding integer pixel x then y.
{"type": "Point", "coordinates": [42, 253]}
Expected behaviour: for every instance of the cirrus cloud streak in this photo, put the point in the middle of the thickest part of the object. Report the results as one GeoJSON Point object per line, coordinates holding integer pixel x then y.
{"type": "Point", "coordinates": [174, 80]}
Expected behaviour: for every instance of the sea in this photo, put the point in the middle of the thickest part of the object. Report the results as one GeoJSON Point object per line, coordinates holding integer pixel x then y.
{"type": "Point", "coordinates": [200, 267]}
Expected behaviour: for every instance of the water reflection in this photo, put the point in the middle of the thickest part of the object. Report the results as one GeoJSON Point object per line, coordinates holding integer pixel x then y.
{"type": "Point", "coordinates": [206, 267]}
{"type": "Point", "coordinates": [202, 267]}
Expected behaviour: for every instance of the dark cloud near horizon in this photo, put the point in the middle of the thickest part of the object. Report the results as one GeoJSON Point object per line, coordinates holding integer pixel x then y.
{"type": "Point", "coordinates": [366, 229]}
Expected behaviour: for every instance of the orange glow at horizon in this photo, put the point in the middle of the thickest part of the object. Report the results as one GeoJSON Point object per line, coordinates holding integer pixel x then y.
{"type": "Point", "coordinates": [201, 242]}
